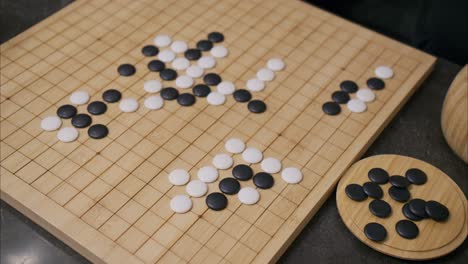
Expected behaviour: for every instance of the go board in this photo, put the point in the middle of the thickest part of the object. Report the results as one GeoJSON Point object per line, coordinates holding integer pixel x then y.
{"type": "Point", "coordinates": [109, 198]}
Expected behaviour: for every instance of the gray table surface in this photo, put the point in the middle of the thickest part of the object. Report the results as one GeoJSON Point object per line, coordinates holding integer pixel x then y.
{"type": "Point", "coordinates": [415, 132]}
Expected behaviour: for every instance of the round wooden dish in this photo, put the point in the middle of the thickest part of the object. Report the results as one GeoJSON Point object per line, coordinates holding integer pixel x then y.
{"type": "Point", "coordinates": [435, 239]}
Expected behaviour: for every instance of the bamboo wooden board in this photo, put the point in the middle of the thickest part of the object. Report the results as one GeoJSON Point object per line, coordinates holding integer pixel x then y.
{"type": "Point", "coordinates": [108, 198]}
{"type": "Point", "coordinates": [435, 239]}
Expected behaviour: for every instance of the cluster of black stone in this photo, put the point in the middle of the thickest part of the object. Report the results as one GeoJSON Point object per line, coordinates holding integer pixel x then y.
{"type": "Point", "coordinates": [230, 186]}
{"type": "Point", "coordinates": [414, 210]}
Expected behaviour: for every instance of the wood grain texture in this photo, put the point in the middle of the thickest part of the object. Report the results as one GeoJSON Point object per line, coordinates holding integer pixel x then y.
{"type": "Point", "coordinates": [109, 198]}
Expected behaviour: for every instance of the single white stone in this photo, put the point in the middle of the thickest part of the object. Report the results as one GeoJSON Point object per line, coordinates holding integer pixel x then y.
{"type": "Point", "coordinates": [271, 165]}
{"type": "Point", "coordinates": [128, 105]}
{"type": "Point", "coordinates": [180, 64]}
{"type": "Point", "coordinates": [365, 95]}
{"type": "Point", "coordinates": [291, 175]}
{"type": "Point", "coordinates": [248, 195]}
{"type": "Point", "coordinates": [196, 188]}
{"type": "Point", "coordinates": [162, 40]}
{"type": "Point", "coordinates": [275, 64]}
{"type": "Point", "coordinates": [194, 71]}
{"type": "Point", "coordinates": [252, 155]}
{"type": "Point", "coordinates": [179, 177]}
{"type": "Point", "coordinates": [383, 72]}
{"type": "Point", "coordinates": [255, 85]}
{"type": "Point", "coordinates": [152, 86]}
{"type": "Point", "coordinates": [208, 174]}
{"type": "Point", "coordinates": [219, 52]}
{"type": "Point", "coordinates": [265, 74]}
{"type": "Point", "coordinates": [166, 55]}
{"type": "Point", "coordinates": [226, 87]}
{"type": "Point", "coordinates": [216, 98]}
{"type": "Point", "coordinates": [51, 123]}
{"type": "Point", "coordinates": [181, 204]}
{"type": "Point", "coordinates": [179, 46]}
{"type": "Point", "coordinates": [206, 62]}
{"type": "Point", "coordinates": [184, 81]}
{"type": "Point", "coordinates": [67, 134]}
{"type": "Point", "coordinates": [356, 106]}
{"type": "Point", "coordinates": [234, 145]}
{"type": "Point", "coordinates": [222, 161]}
{"type": "Point", "coordinates": [79, 97]}
{"type": "Point", "coordinates": [154, 102]}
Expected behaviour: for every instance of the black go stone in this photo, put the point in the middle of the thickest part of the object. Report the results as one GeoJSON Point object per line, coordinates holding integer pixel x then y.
{"type": "Point", "coordinates": [98, 131]}
{"type": "Point", "coordinates": [212, 79]}
{"type": "Point", "coordinates": [169, 93]}
{"type": "Point", "coordinates": [399, 194]}
{"type": "Point", "coordinates": [407, 229]}
{"type": "Point", "coordinates": [349, 86]}
{"type": "Point", "coordinates": [242, 95]}
{"type": "Point", "coordinates": [186, 99]}
{"type": "Point", "coordinates": [340, 97]}
{"type": "Point", "coordinates": [215, 37]}
{"type": "Point", "coordinates": [242, 172]}
{"type": "Point", "coordinates": [408, 214]}
{"type": "Point", "coordinates": [229, 186]}
{"type": "Point", "coordinates": [437, 211]}
{"type": "Point", "coordinates": [168, 74]}
{"type": "Point", "coordinates": [111, 96]}
{"type": "Point", "coordinates": [256, 106]}
{"type": "Point", "coordinates": [192, 54]}
{"type": "Point", "coordinates": [331, 108]}
{"type": "Point", "coordinates": [378, 175]}
{"type": "Point", "coordinates": [204, 45]}
{"type": "Point", "coordinates": [418, 207]}
{"type": "Point", "coordinates": [399, 181]}
{"type": "Point", "coordinates": [375, 232]}
{"type": "Point", "coordinates": [263, 180]}
{"type": "Point", "coordinates": [150, 50]}
{"type": "Point", "coordinates": [97, 108]}
{"type": "Point", "coordinates": [156, 66]}
{"type": "Point", "coordinates": [201, 90]}
{"type": "Point", "coordinates": [380, 208]}
{"type": "Point", "coordinates": [126, 69]}
{"type": "Point", "coordinates": [355, 192]}
{"type": "Point", "coordinates": [216, 201]}
{"type": "Point", "coordinates": [66, 111]}
{"type": "Point", "coordinates": [416, 176]}
{"type": "Point", "coordinates": [373, 190]}
{"type": "Point", "coordinates": [375, 83]}
{"type": "Point", "coordinates": [81, 120]}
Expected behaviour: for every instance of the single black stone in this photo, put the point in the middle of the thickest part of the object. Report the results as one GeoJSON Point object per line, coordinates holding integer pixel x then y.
{"type": "Point", "coordinates": [150, 50]}
{"type": "Point", "coordinates": [407, 229]}
{"type": "Point", "coordinates": [408, 214]}
{"type": "Point", "coordinates": [242, 172]}
{"type": "Point", "coordinates": [216, 201]}
{"type": "Point", "coordinates": [204, 45]}
{"type": "Point", "coordinates": [375, 232]}
{"type": "Point", "coordinates": [349, 86]}
{"type": "Point", "coordinates": [81, 120]}
{"type": "Point", "coordinates": [97, 108]}
{"type": "Point", "coordinates": [418, 207]}
{"type": "Point", "coordinates": [380, 208]}
{"type": "Point", "coordinates": [373, 190]}
{"type": "Point", "coordinates": [169, 93]}
{"type": "Point", "coordinates": [242, 95]}
{"type": "Point", "coordinates": [399, 181]}
{"type": "Point", "coordinates": [263, 180]}
{"type": "Point", "coordinates": [192, 54]}
{"type": "Point", "coordinates": [215, 37]}
{"type": "Point", "coordinates": [98, 131]}
{"type": "Point", "coordinates": [111, 96]}
{"type": "Point", "coordinates": [168, 74]}
{"type": "Point", "coordinates": [340, 97]}
{"type": "Point", "coordinates": [375, 83]}
{"type": "Point", "coordinates": [355, 192]}
{"type": "Point", "coordinates": [416, 176]}
{"type": "Point", "coordinates": [212, 79]}
{"type": "Point", "coordinates": [126, 69]}
{"type": "Point", "coordinates": [378, 175]}
{"type": "Point", "coordinates": [156, 66]}
{"type": "Point", "coordinates": [186, 99]}
{"type": "Point", "coordinates": [256, 106]}
{"type": "Point", "coordinates": [437, 211]}
{"type": "Point", "coordinates": [399, 194]}
{"type": "Point", "coordinates": [331, 108]}
{"type": "Point", "coordinates": [66, 111]}
{"type": "Point", "coordinates": [201, 90]}
{"type": "Point", "coordinates": [229, 186]}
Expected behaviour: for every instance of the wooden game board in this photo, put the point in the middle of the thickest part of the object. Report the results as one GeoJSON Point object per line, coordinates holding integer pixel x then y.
{"type": "Point", "coordinates": [109, 198]}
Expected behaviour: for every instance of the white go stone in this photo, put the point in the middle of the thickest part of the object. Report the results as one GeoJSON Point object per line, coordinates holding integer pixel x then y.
{"type": "Point", "coordinates": [180, 64]}
{"type": "Point", "coordinates": [194, 71]}
{"type": "Point", "coordinates": [275, 64]}
{"type": "Point", "coordinates": [179, 177]}
{"type": "Point", "coordinates": [206, 62]}
{"type": "Point", "coordinates": [226, 87]}
{"type": "Point", "coordinates": [383, 72]}
{"type": "Point", "coordinates": [219, 52]}
{"type": "Point", "coordinates": [222, 161]}
{"type": "Point", "coordinates": [216, 98]}
{"type": "Point", "coordinates": [67, 134]}
{"type": "Point", "coordinates": [51, 123]}
{"type": "Point", "coordinates": [356, 106]}
{"type": "Point", "coordinates": [128, 105]}
{"type": "Point", "coordinates": [208, 174]}
{"type": "Point", "coordinates": [166, 55]}
{"type": "Point", "coordinates": [234, 145]}
{"type": "Point", "coordinates": [152, 86]}
{"type": "Point", "coordinates": [291, 175]}
{"type": "Point", "coordinates": [184, 82]}
{"type": "Point", "coordinates": [179, 46]}
{"type": "Point", "coordinates": [271, 165]}
{"type": "Point", "coordinates": [196, 188]}
{"type": "Point", "coordinates": [265, 75]}
{"type": "Point", "coordinates": [154, 102]}
{"type": "Point", "coordinates": [248, 195]}
{"type": "Point", "coordinates": [162, 40]}
{"type": "Point", "coordinates": [79, 97]}
{"type": "Point", "coordinates": [365, 95]}
{"type": "Point", "coordinates": [255, 85]}
{"type": "Point", "coordinates": [252, 155]}
{"type": "Point", "coordinates": [181, 204]}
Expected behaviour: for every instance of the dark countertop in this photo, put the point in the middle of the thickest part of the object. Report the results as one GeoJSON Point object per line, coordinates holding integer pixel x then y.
{"type": "Point", "coordinates": [415, 132]}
